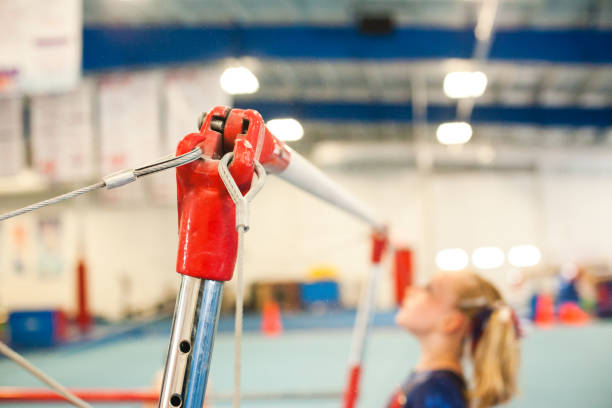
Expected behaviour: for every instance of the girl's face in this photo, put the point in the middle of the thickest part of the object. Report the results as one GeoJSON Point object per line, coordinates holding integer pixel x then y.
{"type": "Point", "coordinates": [425, 309]}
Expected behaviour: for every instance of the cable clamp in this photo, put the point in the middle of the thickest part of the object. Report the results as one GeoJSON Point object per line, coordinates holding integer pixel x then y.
{"type": "Point", "coordinates": [242, 202]}
{"type": "Point", "coordinates": [119, 179]}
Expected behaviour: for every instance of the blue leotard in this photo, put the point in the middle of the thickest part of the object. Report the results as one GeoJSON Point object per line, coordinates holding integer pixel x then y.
{"type": "Point", "coordinates": [431, 389]}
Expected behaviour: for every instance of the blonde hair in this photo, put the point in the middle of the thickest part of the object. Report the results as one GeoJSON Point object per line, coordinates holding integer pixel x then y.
{"type": "Point", "coordinates": [495, 352]}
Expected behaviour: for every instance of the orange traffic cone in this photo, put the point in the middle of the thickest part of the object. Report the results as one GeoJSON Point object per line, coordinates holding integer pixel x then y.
{"type": "Point", "coordinates": [571, 313]}
{"type": "Point", "coordinates": [271, 323]}
{"type": "Point", "coordinates": [545, 310]}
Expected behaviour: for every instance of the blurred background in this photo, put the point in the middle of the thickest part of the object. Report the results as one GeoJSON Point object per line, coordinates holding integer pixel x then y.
{"type": "Point", "coordinates": [481, 131]}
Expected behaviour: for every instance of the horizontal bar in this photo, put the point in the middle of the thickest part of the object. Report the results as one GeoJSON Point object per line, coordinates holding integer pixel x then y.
{"type": "Point", "coordinates": [302, 174]}
{"type": "Point", "coordinates": [42, 395]}
{"type": "Point", "coordinates": [106, 47]}
{"type": "Point", "coordinates": [377, 112]}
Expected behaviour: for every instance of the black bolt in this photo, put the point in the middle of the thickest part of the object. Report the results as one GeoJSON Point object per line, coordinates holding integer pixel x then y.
{"type": "Point", "coordinates": [176, 400]}
{"type": "Point", "coordinates": [184, 346]}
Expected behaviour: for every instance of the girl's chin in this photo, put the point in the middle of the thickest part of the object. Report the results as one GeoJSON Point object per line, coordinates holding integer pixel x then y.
{"type": "Point", "coordinates": [404, 322]}
{"type": "Point", "coordinates": [400, 320]}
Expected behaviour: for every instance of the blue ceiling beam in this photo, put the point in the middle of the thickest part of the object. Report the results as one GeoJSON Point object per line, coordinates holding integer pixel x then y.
{"type": "Point", "coordinates": [398, 112]}
{"type": "Point", "coordinates": [106, 48]}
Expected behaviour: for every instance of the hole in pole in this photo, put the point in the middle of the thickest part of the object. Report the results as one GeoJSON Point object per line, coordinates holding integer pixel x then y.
{"type": "Point", "coordinates": [184, 346]}
{"type": "Point", "coordinates": [176, 400]}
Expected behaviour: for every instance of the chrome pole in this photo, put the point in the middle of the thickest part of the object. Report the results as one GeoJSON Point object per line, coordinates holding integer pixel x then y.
{"type": "Point", "coordinates": [193, 330]}
{"type": "Point", "coordinates": [203, 345]}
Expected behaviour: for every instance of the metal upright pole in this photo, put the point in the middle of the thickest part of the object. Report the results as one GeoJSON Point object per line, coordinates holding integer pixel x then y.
{"type": "Point", "coordinates": [365, 311]}
{"type": "Point", "coordinates": [191, 342]}
{"type": "Point", "coordinates": [206, 257]}
{"type": "Point", "coordinates": [206, 328]}
{"type": "Point", "coordinates": [182, 334]}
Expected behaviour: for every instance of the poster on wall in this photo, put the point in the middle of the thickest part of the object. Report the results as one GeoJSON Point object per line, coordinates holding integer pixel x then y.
{"type": "Point", "coordinates": [129, 126]}
{"type": "Point", "coordinates": [38, 249]}
{"type": "Point", "coordinates": [17, 240]}
{"type": "Point", "coordinates": [62, 134]}
{"type": "Point", "coordinates": [40, 45]}
{"type": "Point", "coordinates": [49, 235]}
{"type": "Point", "coordinates": [11, 136]}
{"type": "Point", "coordinates": [187, 93]}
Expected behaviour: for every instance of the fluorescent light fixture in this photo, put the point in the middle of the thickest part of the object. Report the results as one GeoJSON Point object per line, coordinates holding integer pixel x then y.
{"type": "Point", "coordinates": [452, 259]}
{"type": "Point", "coordinates": [239, 80]}
{"type": "Point", "coordinates": [453, 133]}
{"type": "Point", "coordinates": [488, 257]}
{"type": "Point", "coordinates": [286, 129]}
{"type": "Point", "coordinates": [465, 84]}
{"type": "Point", "coordinates": [524, 255]}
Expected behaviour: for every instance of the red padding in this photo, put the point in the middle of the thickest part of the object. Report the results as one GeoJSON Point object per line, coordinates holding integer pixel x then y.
{"type": "Point", "coordinates": [352, 389]}
{"type": "Point", "coordinates": [379, 244]}
{"type": "Point", "coordinates": [25, 395]}
{"type": "Point", "coordinates": [83, 316]}
{"type": "Point", "coordinates": [402, 270]}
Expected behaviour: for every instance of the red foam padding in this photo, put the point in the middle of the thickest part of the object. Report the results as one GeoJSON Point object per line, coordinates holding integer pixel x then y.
{"type": "Point", "coordinates": [25, 395]}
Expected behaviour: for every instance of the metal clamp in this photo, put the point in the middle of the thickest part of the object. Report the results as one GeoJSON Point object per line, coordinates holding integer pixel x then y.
{"type": "Point", "coordinates": [242, 202]}
{"type": "Point", "coordinates": [119, 179]}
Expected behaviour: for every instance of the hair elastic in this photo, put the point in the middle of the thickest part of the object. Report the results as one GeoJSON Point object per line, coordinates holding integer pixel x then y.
{"type": "Point", "coordinates": [480, 320]}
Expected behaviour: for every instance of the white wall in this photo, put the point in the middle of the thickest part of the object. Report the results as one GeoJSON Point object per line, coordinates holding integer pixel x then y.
{"type": "Point", "coordinates": [578, 217]}
{"type": "Point", "coordinates": [568, 216]}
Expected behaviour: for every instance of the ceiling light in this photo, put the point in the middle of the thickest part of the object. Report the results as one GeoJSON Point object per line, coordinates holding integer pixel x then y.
{"type": "Point", "coordinates": [465, 84]}
{"type": "Point", "coordinates": [451, 133]}
{"type": "Point", "coordinates": [239, 80]}
{"type": "Point", "coordinates": [286, 129]}
{"type": "Point", "coordinates": [452, 259]}
{"type": "Point", "coordinates": [488, 258]}
{"type": "Point", "coordinates": [524, 255]}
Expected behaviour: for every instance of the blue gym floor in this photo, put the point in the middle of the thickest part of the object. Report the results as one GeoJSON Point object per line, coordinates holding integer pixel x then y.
{"type": "Point", "coordinates": [562, 366]}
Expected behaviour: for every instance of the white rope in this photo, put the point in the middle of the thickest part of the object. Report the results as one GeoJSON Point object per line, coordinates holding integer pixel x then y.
{"type": "Point", "coordinates": [55, 386]}
{"type": "Point", "coordinates": [238, 318]}
{"type": "Point", "coordinates": [112, 181]}
{"type": "Point", "coordinates": [242, 226]}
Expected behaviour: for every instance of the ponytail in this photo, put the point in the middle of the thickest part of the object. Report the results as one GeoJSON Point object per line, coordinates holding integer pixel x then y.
{"type": "Point", "coordinates": [494, 343]}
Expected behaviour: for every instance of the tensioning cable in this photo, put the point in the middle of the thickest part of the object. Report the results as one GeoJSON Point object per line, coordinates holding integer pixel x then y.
{"type": "Point", "coordinates": [114, 180]}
